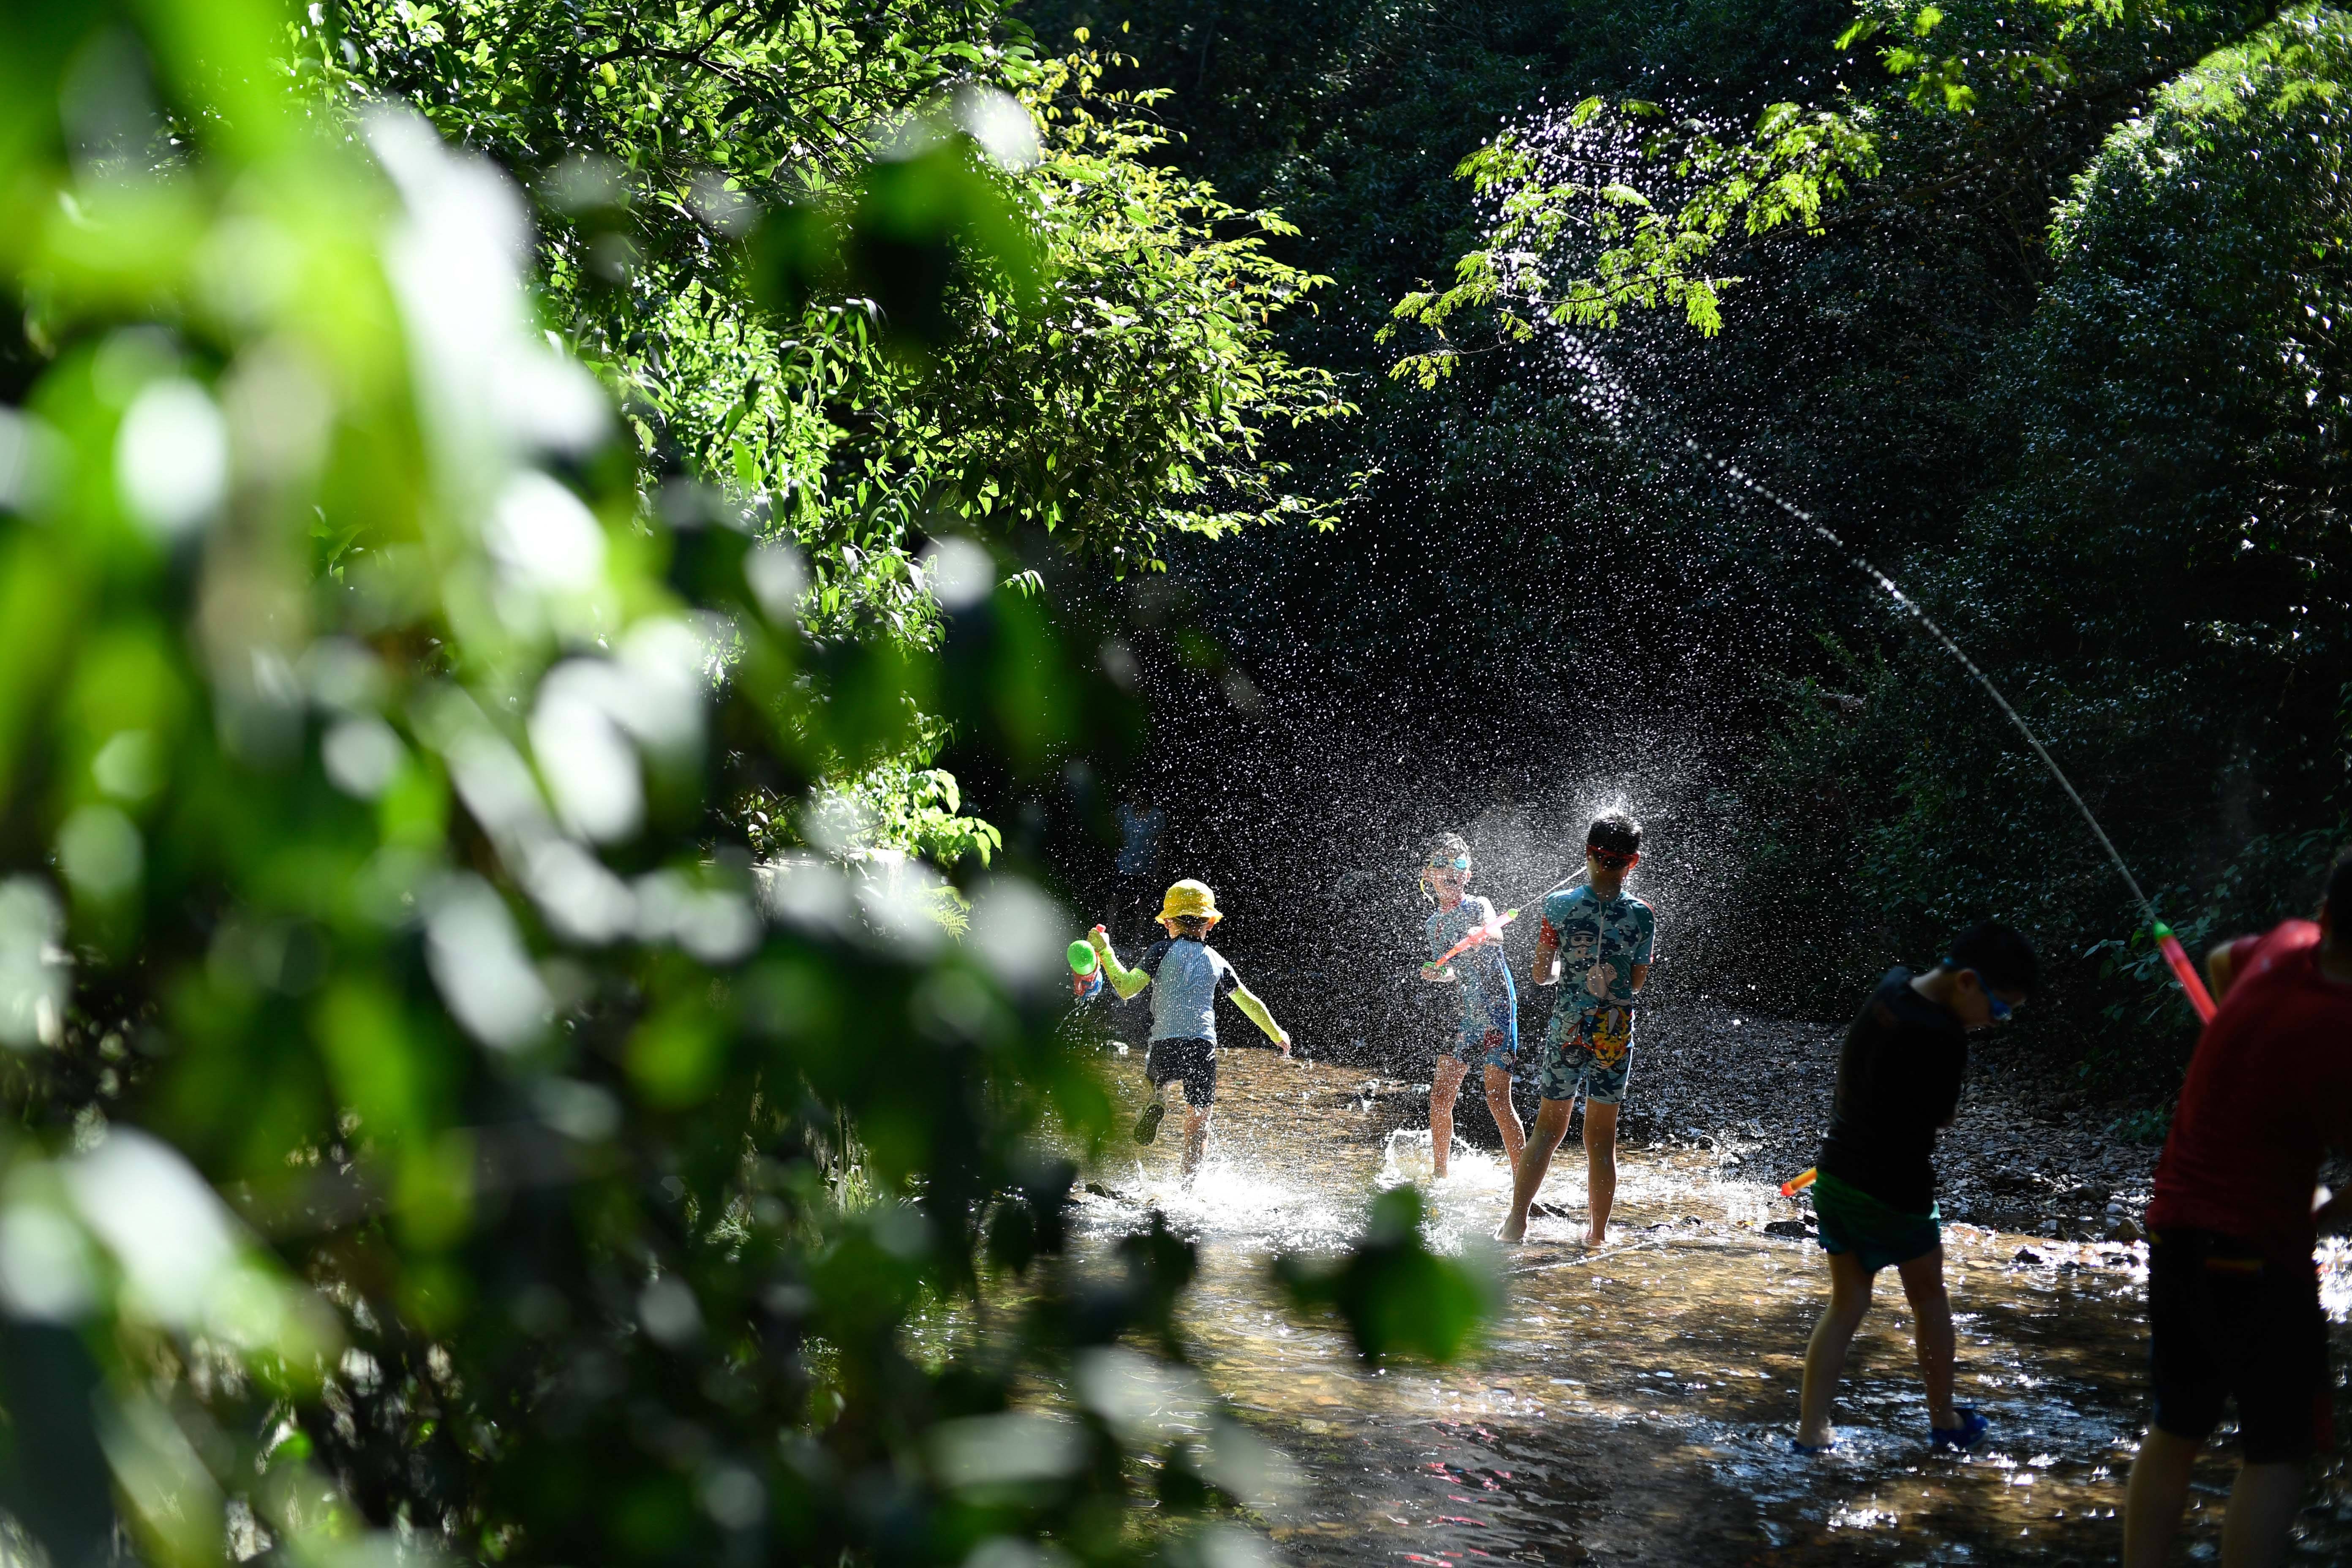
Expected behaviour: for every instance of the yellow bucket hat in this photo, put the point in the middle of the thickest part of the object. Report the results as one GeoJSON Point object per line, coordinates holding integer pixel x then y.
{"type": "Point", "coordinates": [1190, 897]}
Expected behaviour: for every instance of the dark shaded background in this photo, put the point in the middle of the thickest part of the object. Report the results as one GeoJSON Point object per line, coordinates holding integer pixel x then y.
{"type": "Point", "coordinates": [1539, 590]}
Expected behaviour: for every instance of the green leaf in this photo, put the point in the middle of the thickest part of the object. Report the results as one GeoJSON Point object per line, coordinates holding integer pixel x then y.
{"type": "Point", "coordinates": [1859, 31]}
{"type": "Point", "coordinates": [1395, 1295]}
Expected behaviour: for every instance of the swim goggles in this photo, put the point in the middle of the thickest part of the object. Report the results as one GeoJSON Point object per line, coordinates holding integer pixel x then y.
{"type": "Point", "coordinates": [1999, 1009]}
{"type": "Point", "coordinates": [1459, 863]}
{"type": "Point", "coordinates": [1615, 859]}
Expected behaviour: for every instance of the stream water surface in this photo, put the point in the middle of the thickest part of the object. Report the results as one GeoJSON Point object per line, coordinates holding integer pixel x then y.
{"type": "Point", "coordinates": [1634, 1404]}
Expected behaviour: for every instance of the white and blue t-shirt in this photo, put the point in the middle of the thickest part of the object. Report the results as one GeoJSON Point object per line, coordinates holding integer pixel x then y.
{"type": "Point", "coordinates": [1187, 978]}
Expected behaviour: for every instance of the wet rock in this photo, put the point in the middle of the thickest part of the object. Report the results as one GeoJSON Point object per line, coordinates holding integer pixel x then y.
{"type": "Point", "coordinates": [1794, 1228]}
{"type": "Point", "coordinates": [2028, 1257]}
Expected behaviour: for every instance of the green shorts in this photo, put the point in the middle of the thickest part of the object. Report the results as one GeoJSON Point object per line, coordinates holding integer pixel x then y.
{"type": "Point", "coordinates": [1878, 1234]}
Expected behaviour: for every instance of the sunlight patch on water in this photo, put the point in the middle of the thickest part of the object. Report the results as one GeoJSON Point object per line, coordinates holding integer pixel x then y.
{"type": "Point", "coordinates": [1235, 1198]}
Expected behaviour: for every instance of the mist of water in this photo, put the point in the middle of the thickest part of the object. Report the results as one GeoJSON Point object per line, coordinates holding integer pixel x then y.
{"type": "Point", "coordinates": [1610, 149]}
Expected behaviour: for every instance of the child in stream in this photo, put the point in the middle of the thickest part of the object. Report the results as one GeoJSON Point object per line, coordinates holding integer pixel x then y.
{"type": "Point", "coordinates": [2233, 1297]}
{"type": "Point", "coordinates": [1191, 976]}
{"type": "Point", "coordinates": [1488, 1031]}
{"type": "Point", "coordinates": [1601, 937]}
{"type": "Point", "coordinates": [1898, 1084]}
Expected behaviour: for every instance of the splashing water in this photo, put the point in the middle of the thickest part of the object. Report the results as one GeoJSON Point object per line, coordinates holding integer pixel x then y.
{"type": "Point", "coordinates": [1634, 1403]}
{"type": "Point", "coordinates": [1609, 151]}
{"type": "Point", "coordinates": [1408, 1158]}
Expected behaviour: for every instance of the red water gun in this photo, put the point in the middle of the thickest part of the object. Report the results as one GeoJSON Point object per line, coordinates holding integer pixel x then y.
{"type": "Point", "coordinates": [1485, 931]}
{"type": "Point", "coordinates": [2183, 970]}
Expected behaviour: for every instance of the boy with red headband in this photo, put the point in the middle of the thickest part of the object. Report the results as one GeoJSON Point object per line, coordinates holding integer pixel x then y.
{"type": "Point", "coordinates": [2233, 1297]}
{"type": "Point", "coordinates": [1601, 936]}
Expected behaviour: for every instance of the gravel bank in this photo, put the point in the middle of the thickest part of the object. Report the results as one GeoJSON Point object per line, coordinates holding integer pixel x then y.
{"type": "Point", "coordinates": [2026, 1154]}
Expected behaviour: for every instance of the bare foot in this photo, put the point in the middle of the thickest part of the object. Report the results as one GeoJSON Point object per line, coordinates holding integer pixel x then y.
{"type": "Point", "coordinates": [1513, 1232]}
{"type": "Point", "coordinates": [1596, 1238]}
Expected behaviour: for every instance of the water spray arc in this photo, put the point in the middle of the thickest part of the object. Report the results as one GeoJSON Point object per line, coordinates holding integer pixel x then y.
{"type": "Point", "coordinates": [2183, 970]}
{"type": "Point", "coordinates": [2174, 958]}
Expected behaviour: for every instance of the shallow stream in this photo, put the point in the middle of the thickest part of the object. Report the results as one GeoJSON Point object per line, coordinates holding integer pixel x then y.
{"type": "Point", "coordinates": [1634, 1404]}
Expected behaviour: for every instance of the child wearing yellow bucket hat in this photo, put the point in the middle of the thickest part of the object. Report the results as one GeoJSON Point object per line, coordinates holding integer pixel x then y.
{"type": "Point", "coordinates": [1190, 976]}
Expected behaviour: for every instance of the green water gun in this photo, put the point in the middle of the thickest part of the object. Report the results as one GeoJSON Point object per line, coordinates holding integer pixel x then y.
{"type": "Point", "coordinates": [1085, 969]}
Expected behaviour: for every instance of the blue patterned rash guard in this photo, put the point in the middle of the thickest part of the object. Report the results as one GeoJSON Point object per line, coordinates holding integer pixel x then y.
{"type": "Point", "coordinates": [1489, 1001]}
{"type": "Point", "coordinates": [1600, 942]}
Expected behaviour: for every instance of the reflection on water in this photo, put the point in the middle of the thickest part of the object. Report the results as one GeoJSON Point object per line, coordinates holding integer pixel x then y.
{"type": "Point", "coordinates": [1634, 1404]}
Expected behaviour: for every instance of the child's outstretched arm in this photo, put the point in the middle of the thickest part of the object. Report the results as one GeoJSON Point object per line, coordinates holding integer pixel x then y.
{"type": "Point", "coordinates": [1546, 971]}
{"type": "Point", "coordinates": [1125, 981]}
{"type": "Point", "coordinates": [1254, 1011]}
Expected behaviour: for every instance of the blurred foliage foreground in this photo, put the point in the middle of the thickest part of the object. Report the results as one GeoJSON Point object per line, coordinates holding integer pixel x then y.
{"type": "Point", "coordinates": [436, 1132]}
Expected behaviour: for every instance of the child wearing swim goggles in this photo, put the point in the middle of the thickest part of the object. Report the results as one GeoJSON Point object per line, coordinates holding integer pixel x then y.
{"type": "Point", "coordinates": [1486, 1030]}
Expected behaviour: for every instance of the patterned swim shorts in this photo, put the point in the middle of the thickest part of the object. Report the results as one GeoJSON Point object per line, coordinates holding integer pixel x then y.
{"type": "Point", "coordinates": [1489, 1048]}
{"type": "Point", "coordinates": [1576, 1071]}
{"type": "Point", "coordinates": [1494, 1041]}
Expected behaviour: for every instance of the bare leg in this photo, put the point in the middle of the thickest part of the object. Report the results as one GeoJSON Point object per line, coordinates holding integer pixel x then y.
{"type": "Point", "coordinates": [1931, 1314]}
{"type": "Point", "coordinates": [2262, 1509]}
{"type": "Point", "coordinates": [1825, 1354]}
{"type": "Point", "coordinates": [1447, 1084]}
{"type": "Point", "coordinates": [2157, 1494]}
{"type": "Point", "coordinates": [1535, 1159]}
{"type": "Point", "coordinates": [1600, 1169]}
{"type": "Point", "coordinates": [1196, 1139]}
{"type": "Point", "coordinates": [1507, 1117]}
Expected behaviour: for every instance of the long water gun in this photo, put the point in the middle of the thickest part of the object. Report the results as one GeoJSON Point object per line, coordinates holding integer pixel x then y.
{"type": "Point", "coordinates": [2183, 970]}
{"type": "Point", "coordinates": [1486, 930]}
{"type": "Point", "coordinates": [1086, 971]}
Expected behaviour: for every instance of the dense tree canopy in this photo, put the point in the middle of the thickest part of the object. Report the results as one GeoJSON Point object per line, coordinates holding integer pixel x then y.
{"type": "Point", "coordinates": [497, 1065]}
{"type": "Point", "coordinates": [2180, 404]}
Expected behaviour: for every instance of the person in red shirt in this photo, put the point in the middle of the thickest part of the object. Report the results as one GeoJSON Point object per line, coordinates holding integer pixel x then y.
{"type": "Point", "coordinates": [2232, 1294]}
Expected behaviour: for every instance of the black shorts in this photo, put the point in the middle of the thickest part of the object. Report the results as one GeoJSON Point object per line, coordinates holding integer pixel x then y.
{"type": "Point", "coordinates": [1194, 1061]}
{"type": "Point", "coordinates": [2225, 1322]}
